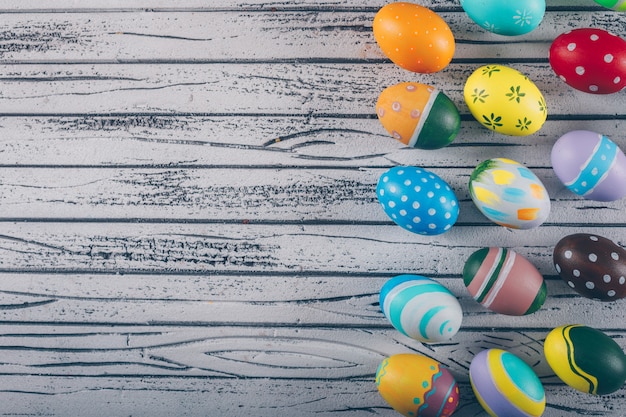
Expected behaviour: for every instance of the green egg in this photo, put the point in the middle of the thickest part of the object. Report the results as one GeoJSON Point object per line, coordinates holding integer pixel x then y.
{"type": "Point", "coordinates": [586, 359]}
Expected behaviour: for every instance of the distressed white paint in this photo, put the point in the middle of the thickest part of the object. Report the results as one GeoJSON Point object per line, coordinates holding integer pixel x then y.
{"type": "Point", "coordinates": [188, 223]}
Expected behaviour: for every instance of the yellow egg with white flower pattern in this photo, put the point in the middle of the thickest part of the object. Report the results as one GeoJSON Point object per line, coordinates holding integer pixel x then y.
{"type": "Point", "coordinates": [505, 100]}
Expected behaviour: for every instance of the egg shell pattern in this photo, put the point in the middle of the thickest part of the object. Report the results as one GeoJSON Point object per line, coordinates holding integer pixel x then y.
{"type": "Point", "coordinates": [506, 17]}
{"type": "Point", "coordinates": [418, 115]}
{"type": "Point", "coordinates": [592, 265]}
{"type": "Point", "coordinates": [586, 359]}
{"type": "Point", "coordinates": [421, 308]}
{"type": "Point", "coordinates": [509, 194]}
{"type": "Point", "coordinates": [417, 200]}
{"type": "Point", "coordinates": [591, 165]}
{"type": "Point", "coordinates": [414, 37]}
{"type": "Point", "coordinates": [505, 385]}
{"type": "Point", "coordinates": [504, 281]}
{"type": "Point", "coordinates": [505, 100]}
{"type": "Point", "coordinates": [417, 386]}
{"type": "Point", "coordinates": [590, 60]}
{"type": "Point", "coordinates": [619, 5]}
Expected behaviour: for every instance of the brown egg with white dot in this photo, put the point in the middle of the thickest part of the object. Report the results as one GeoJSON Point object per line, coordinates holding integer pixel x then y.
{"type": "Point", "coordinates": [592, 265]}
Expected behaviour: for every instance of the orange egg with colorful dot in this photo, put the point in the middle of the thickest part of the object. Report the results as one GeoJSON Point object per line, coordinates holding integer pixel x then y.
{"type": "Point", "coordinates": [414, 37]}
{"type": "Point", "coordinates": [417, 386]}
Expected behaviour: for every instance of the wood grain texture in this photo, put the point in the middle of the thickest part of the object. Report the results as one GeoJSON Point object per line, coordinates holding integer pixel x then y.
{"type": "Point", "coordinates": [188, 223]}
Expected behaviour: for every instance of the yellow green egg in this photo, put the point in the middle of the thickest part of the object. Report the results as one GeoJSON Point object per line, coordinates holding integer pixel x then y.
{"type": "Point", "coordinates": [504, 100]}
{"type": "Point", "coordinates": [586, 359]}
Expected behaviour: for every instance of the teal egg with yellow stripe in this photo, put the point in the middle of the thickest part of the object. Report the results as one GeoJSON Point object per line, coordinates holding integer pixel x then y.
{"type": "Point", "coordinates": [421, 308]}
{"type": "Point", "coordinates": [586, 359]}
{"type": "Point", "coordinates": [505, 385]}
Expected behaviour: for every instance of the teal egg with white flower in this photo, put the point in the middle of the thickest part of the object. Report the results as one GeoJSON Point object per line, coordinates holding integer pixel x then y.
{"type": "Point", "coordinates": [509, 18]}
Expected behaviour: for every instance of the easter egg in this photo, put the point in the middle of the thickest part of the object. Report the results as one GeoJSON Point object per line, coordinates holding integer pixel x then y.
{"type": "Point", "coordinates": [418, 115]}
{"type": "Point", "coordinates": [590, 60]}
{"type": "Point", "coordinates": [417, 200]}
{"type": "Point", "coordinates": [619, 5]}
{"type": "Point", "coordinates": [585, 359]}
{"type": "Point", "coordinates": [421, 308]}
{"type": "Point", "coordinates": [592, 265]}
{"type": "Point", "coordinates": [417, 386]}
{"type": "Point", "coordinates": [504, 281]}
{"type": "Point", "coordinates": [505, 385]}
{"type": "Point", "coordinates": [506, 17]}
{"type": "Point", "coordinates": [505, 100]}
{"type": "Point", "coordinates": [414, 37]}
{"type": "Point", "coordinates": [590, 164]}
{"type": "Point", "coordinates": [509, 194]}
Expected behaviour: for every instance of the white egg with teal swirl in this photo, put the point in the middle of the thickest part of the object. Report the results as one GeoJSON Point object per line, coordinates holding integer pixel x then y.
{"type": "Point", "coordinates": [421, 308]}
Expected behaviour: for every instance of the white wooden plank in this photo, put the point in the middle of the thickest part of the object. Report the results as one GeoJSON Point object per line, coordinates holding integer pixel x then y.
{"type": "Point", "coordinates": [137, 140]}
{"type": "Point", "coordinates": [249, 194]}
{"type": "Point", "coordinates": [218, 36]}
{"type": "Point", "coordinates": [234, 300]}
{"type": "Point", "coordinates": [116, 396]}
{"type": "Point", "coordinates": [336, 367]}
{"type": "Point", "coordinates": [65, 6]}
{"type": "Point", "coordinates": [253, 89]}
{"type": "Point", "coordinates": [294, 249]}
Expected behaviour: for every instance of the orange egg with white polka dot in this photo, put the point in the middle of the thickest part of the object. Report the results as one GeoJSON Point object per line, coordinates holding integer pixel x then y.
{"type": "Point", "coordinates": [414, 37]}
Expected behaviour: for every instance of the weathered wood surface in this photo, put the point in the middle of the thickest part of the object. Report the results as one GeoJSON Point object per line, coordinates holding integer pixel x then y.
{"type": "Point", "coordinates": [188, 223]}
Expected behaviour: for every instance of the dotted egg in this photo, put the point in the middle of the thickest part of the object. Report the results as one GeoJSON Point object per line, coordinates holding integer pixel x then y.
{"type": "Point", "coordinates": [414, 37]}
{"type": "Point", "coordinates": [421, 308]}
{"type": "Point", "coordinates": [417, 200]}
{"type": "Point", "coordinates": [590, 60]}
{"type": "Point", "coordinates": [592, 265]}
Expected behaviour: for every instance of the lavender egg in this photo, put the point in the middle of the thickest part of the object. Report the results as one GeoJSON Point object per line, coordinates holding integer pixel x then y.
{"type": "Point", "coordinates": [591, 165]}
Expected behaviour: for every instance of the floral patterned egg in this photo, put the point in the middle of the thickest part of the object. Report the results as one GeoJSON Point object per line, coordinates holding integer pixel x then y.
{"type": "Point", "coordinates": [509, 194]}
{"type": "Point", "coordinates": [414, 37]}
{"type": "Point", "coordinates": [418, 115]}
{"type": "Point", "coordinates": [421, 308]}
{"type": "Point", "coordinates": [590, 165]}
{"type": "Point", "coordinates": [510, 18]}
{"type": "Point", "coordinates": [417, 386]}
{"type": "Point", "coordinates": [417, 200]}
{"type": "Point", "coordinates": [619, 5]}
{"type": "Point", "coordinates": [586, 359]}
{"type": "Point", "coordinates": [590, 60]}
{"type": "Point", "coordinates": [505, 100]}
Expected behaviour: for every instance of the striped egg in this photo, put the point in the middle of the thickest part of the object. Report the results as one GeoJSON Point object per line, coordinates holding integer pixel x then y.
{"type": "Point", "coordinates": [505, 385]}
{"type": "Point", "coordinates": [504, 281]}
{"type": "Point", "coordinates": [509, 194]}
{"type": "Point", "coordinates": [591, 165]}
{"type": "Point", "coordinates": [586, 359]}
{"type": "Point", "coordinates": [421, 308]}
{"type": "Point", "coordinates": [418, 115]}
{"type": "Point", "coordinates": [417, 386]}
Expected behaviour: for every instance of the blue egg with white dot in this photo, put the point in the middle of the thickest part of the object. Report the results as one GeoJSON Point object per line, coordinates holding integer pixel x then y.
{"type": "Point", "coordinates": [417, 200]}
{"type": "Point", "coordinates": [421, 308]}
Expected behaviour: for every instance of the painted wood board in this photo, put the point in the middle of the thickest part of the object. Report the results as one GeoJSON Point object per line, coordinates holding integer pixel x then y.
{"type": "Point", "coordinates": [187, 223]}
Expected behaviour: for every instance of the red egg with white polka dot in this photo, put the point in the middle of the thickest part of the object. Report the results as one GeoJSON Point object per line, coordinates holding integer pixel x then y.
{"type": "Point", "coordinates": [590, 60]}
{"type": "Point", "coordinates": [592, 265]}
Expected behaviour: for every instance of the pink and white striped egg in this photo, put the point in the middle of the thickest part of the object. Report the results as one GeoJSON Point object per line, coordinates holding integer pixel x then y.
{"type": "Point", "coordinates": [590, 60]}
